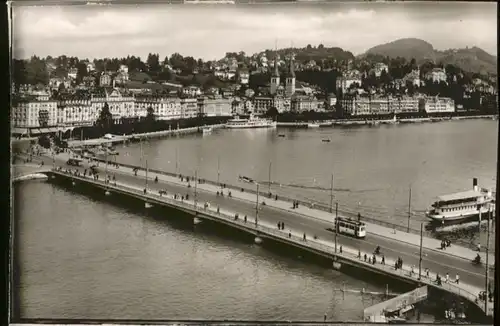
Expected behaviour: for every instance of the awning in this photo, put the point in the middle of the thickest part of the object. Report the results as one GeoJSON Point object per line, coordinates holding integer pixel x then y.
{"type": "Point", "coordinates": [35, 131]}
{"type": "Point", "coordinates": [19, 131]}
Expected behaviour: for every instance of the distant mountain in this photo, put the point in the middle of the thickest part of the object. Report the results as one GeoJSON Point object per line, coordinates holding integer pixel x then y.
{"type": "Point", "coordinates": [469, 59]}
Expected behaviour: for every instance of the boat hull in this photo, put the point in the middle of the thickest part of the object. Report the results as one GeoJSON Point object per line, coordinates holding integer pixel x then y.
{"type": "Point", "coordinates": [251, 126]}
{"type": "Point", "coordinates": [459, 219]}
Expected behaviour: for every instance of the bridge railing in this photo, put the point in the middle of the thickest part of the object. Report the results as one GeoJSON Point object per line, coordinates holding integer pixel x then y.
{"type": "Point", "coordinates": [288, 237]}
{"type": "Point", "coordinates": [265, 194]}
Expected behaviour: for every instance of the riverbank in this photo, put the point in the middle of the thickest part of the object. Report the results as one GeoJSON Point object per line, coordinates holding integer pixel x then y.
{"type": "Point", "coordinates": [135, 137]}
{"type": "Point", "coordinates": [374, 121]}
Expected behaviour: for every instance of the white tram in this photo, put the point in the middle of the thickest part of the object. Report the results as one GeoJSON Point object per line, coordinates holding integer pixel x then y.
{"type": "Point", "coordinates": [351, 227]}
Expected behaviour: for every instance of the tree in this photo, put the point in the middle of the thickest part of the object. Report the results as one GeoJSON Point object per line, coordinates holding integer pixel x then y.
{"type": "Point", "coordinates": [150, 116]}
{"type": "Point", "coordinates": [321, 47]}
{"type": "Point", "coordinates": [81, 72]}
{"type": "Point", "coordinates": [105, 117]}
{"type": "Point", "coordinates": [272, 112]}
{"type": "Point", "coordinates": [153, 62]}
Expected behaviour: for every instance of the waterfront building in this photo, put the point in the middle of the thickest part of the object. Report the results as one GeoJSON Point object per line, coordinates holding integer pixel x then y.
{"type": "Point", "coordinates": [164, 108]}
{"type": "Point", "coordinates": [73, 111]}
{"type": "Point", "coordinates": [262, 104]}
{"type": "Point", "coordinates": [238, 106]}
{"type": "Point", "coordinates": [214, 106]}
{"type": "Point", "coordinates": [405, 104]}
{"type": "Point", "coordinates": [189, 107]}
{"type": "Point", "coordinates": [119, 106]}
{"type": "Point", "coordinates": [303, 103]}
{"type": "Point", "coordinates": [439, 104]}
{"type": "Point", "coordinates": [29, 112]}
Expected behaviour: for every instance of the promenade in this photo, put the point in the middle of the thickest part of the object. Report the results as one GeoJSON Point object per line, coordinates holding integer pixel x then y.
{"type": "Point", "coordinates": [291, 235]}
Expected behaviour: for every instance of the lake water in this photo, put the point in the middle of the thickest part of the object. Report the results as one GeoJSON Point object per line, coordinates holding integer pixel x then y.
{"type": "Point", "coordinates": [373, 167]}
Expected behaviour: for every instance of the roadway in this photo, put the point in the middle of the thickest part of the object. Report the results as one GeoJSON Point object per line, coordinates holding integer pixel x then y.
{"type": "Point", "coordinates": [436, 261]}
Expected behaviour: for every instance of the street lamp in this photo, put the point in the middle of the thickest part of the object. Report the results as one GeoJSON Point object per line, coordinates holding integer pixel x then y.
{"type": "Point", "coordinates": [257, 206]}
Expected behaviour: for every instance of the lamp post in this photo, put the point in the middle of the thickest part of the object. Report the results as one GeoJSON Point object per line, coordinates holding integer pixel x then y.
{"type": "Point", "coordinates": [331, 196]}
{"type": "Point", "coordinates": [487, 261]}
{"type": "Point", "coordinates": [420, 256]}
{"type": "Point", "coordinates": [195, 190]}
{"type": "Point", "coordinates": [409, 212]}
{"type": "Point", "coordinates": [218, 170]}
{"type": "Point", "coordinates": [257, 206]}
{"type": "Point", "coordinates": [269, 179]}
{"type": "Point", "coordinates": [335, 226]}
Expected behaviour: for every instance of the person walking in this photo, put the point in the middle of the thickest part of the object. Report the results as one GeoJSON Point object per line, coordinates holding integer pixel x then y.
{"type": "Point", "coordinates": [457, 279]}
{"type": "Point", "coordinates": [447, 279]}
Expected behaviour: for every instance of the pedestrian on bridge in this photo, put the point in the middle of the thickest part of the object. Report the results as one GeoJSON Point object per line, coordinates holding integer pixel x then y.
{"type": "Point", "coordinates": [383, 260]}
{"type": "Point", "coordinates": [457, 279]}
{"type": "Point", "coordinates": [279, 225]}
{"type": "Point", "coordinates": [447, 279]}
{"type": "Point", "coordinates": [427, 272]}
{"type": "Point", "coordinates": [304, 237]}
{"type": "Point", "coordinates": [282, 225]}
{"type": "Point", "coordinates": [365, 257]}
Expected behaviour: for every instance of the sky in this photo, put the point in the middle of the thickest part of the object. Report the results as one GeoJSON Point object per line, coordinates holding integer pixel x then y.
{"type": "Point", "coordinates": [208, 32]}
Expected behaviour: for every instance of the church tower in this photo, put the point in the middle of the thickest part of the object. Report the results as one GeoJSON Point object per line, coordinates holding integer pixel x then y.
{"type": "Point", "coordinates": [275, 77]}
{"type": "Point", "coordinates": [290, 80]}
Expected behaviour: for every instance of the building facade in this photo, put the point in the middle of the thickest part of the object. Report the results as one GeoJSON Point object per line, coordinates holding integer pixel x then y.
{"type": "Point", "coordinates": [215, 106]}
{"type": "Point", "coordinates": [164, 108]}
{"type": "Point", "coordinates": [32, 113]}
{"type": "Point", "coordinates": [439, 105]}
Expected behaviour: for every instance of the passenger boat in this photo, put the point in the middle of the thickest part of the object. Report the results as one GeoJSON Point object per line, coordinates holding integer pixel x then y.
{"type": "Point", "coordinates": [313, 125]}
{"type": "Point", "coordinates": [251, 122]}
{"type": "Point", "coordinates": [463, 206]}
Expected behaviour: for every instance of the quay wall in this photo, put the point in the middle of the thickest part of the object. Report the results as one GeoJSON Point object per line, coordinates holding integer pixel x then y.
{"type": "Point", "coordinates": [271, 238]}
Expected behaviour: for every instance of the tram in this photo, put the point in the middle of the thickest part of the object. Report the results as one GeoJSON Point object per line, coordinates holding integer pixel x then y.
{"type": "Point", "coordinates": [351, 227]}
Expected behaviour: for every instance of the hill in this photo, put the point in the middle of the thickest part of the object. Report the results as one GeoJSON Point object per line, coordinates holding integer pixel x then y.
{"type": "Point", "coordinates": [469, 59]}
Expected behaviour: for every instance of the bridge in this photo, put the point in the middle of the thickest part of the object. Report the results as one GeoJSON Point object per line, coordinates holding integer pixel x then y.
{"type": "Point", "coordinates": [132, 181]}
{"type": "Point", "coordinates": [263, 230]}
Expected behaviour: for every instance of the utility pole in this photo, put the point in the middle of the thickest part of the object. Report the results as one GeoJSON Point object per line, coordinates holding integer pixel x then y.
{"type": "Point", "coordinates": [257, 207]}
{"type": "Point", "coordinates": [81, 134]}
{"type": "Point", "coordinates": [270, 164]}
{"type": "Point", "coordinates": [421, 242]}
{"type": "Point", "coordinates": [218, 170]}
{"type": "Point", "coordinates": [335, 225]}
{"type": "Point", "coordinates": [487, 261]}
{"type": "Point", "coordinates": [409, 212]}
{"type": "Point", "coordinates": [147, 175]}
{"type": "Point", "coordinates": [106, 166]}
{"type": "Point", "coordinates": [176, 160]}
{"type": "Point", "coordinates": [195, 190]}
{"type": "Point", "coordinates": [331, 195]}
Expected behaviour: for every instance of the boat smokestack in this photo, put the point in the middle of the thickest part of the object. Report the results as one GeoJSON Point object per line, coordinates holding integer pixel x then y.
{"type": "Point", "coordinates": [474, 184]}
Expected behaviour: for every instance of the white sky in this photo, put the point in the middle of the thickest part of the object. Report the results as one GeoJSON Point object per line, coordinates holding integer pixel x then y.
{"type": "Point", "coordinates": [210, 31]}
